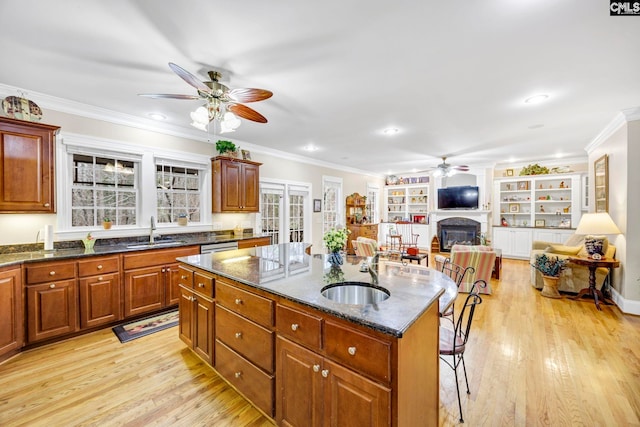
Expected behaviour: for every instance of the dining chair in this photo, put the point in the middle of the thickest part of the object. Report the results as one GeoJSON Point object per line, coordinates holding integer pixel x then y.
{"type": "Point", "coordinates": [453, 342]}
{"type": "Point", "coordinates": [408, 239]}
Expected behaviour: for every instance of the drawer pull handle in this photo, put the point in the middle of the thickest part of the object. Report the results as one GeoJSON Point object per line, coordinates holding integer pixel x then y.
{"type": "Point", "coordinates": [201, 285]}
{"type": "Point", "coordinates": [238, 301]}
{"type": "Point", "coordinates": [352, 351]}
{"type": "Point", "coordinates": [238, 335]}
{"type": "Point", "coordinates": [238, 374]}
{"type": "Point", "coordinates": [52, 273]}
{"type": "Point", "coordinates": [294, 326]}
{"type": "Point", "coordinates": [53, 285]}
{"type": "Point", "coordinates": [325, 373]}
{"type": "Point", "coordinates": [316, 368]}
{"type": "Point", "coordinates": [99, 266]}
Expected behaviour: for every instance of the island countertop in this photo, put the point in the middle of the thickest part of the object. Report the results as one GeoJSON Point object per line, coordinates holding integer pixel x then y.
{"type": "Point", "coordinates": [287, 271]}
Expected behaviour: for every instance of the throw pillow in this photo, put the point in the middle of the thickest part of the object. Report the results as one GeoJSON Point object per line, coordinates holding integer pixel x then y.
{"type": "Point", "coordinates": [563, 249]}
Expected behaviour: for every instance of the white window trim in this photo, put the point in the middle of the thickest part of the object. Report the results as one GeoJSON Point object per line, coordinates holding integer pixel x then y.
{"type": "Point", "coordinates": [341, 215]}
{"type": "Point", "coordinates": [375, 188]}
{"type": "Point", "coordinates": [69, 143]}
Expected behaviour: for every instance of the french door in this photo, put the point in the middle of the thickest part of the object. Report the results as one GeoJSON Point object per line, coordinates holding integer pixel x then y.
{"type": "Point", "coordinates": [285, 211]}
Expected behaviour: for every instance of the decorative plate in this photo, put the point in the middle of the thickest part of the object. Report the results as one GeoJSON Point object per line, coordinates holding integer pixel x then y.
{"type": "Point", "coordinates": [21, 108]}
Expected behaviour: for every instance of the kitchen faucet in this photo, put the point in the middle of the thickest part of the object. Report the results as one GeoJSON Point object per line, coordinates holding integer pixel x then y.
{"type": "Point", "coordinates": [153, 228]}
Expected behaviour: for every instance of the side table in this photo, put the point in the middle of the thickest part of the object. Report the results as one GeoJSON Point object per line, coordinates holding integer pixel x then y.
{"type": "Point", "coordinates": [593, 264]}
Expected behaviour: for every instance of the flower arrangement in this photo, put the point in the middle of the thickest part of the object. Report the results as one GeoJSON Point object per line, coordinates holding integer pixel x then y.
{"type": "Point", "coordinates": [336, 239]}
{"type": "Point", "coordinates": [89, 241]}
{"type": "Point", "coordinates": [549, 266]}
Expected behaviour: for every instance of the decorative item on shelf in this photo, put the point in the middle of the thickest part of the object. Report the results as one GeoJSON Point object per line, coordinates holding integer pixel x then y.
{"type": "Point", "coordinates": [226, 148]}
{"type": "Point", "coordinates": [106, 223]}
{"type": "Point", "coordinates": [246, 155]}
{"type": "Point", "coordinates": [509, 172]}
{"type": "Point", "coordinates": [541, 209]}
{"type": "Point", "coordinates": [335, 240]}
{"type": "Point", "coordinates": [88, 242]}
{"type": "Point", "coordinates": [540, 223]}
{"type": "Point", "coordinates": [503, 222]}
{"type": "Point", "coordinates": [514, 207]}
{"type": "Point", "coordinates": [534, 169]}
{"type": "Point", "coordinates": [182, 219]}
{"type": "Point", "coordinates": [392, 180]}
{"type": "Point", "coordinates": [18, 107]}
{"type": "Point", "coordinates": [550, 267]}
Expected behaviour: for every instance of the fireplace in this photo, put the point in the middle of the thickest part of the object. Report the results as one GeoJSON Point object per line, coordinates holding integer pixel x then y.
{"type": "Point", "coordinates": [458, 231]}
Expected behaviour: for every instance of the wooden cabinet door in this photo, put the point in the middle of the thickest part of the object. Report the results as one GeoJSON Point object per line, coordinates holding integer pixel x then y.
{"type": "Point", "coordinates": [26, 166]}
{"type": "Point", "coordinates": [99, 300]}
{"type": "Point", "coordinates": [203, 322]}
{"type": "Point", "coordinates": [231, 189]}
{"type": "Point", "coordinates": [351, 399]}
{"type": "Point", "coordinates": [186, 321]}
{"type": "Point", "coordinates": [298, 385]}
{"type": "Point", "coordinates": [173, 278]}
{"type": "Point", "coordinates": [11, 316]}
{"type": "Point", "coordinates": [251, 188]}
{"type": "Point", "coordinates": [143, 290]}
{"type": "Point", "coordinates": [52, 310]}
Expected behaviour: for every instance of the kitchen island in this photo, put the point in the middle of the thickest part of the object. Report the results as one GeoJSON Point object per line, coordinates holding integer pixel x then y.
{"type": "Point", "coordinates": [259, 317]}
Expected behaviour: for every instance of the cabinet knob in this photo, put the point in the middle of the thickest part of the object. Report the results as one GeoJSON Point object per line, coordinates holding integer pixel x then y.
{"type": "Point", "coordinates": [238, 301]}
{"type": "Point", "coordinates": [238, 374]}
{"type": "Point", "coordinates": [316, 368]}
{"type": "Point", "coordinates": [352, 351]}
{"type": "Point", "coordinates": [164, 270]}
{"type": "Point", "coordinates": [183, 277]}
{"type": "Point", "coordinates": [325, 373]}
{"type": "Point", "coordinates": [100, 278]}
{"type": "Point", "coordinates": [52, 273]}
{"type": "Point", "coordinates": [53, 285]}
{"type": "Point", "coordinates": [238, 335]}
{"type": "Point", "coordinates": [99, 267]}
{"type": "Point", "coordinates": [46, 205]}
{"type": "Point", "coordinates": [201, 285]}
{"type": "Point", "coordinates": [294, 326]}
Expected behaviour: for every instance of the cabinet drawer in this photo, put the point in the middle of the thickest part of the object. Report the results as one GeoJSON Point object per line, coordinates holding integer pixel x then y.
{"type": "Point", "coordinates": [251, 243]}
{"type": "Point", "coordinates": [257, 386]}
{"type": "Point", "coordinates": [185, 277]}
{"type": "Point", "coordinates": [370, 232]}
{"type": "Point", "coordinates": [203, 284]}
{"type": "Point", "coordinates": [39, 273]}
{"type": "Point", "coordinates": [299, 326]}
{"type": "Point", "coordinates": [250, 305]}
{"type": "Point", "coordinates": [93, 266]}
{"type": "Point", "coordinates": [156, 257]}
{"type": "Point", "coordinates": [247, 338]}
{"type": "Point", "coordinates": [362, 352]}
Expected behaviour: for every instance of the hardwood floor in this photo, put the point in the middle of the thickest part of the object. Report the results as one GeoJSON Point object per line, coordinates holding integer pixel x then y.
{"type": "Point", "coordinates": [531, 361]}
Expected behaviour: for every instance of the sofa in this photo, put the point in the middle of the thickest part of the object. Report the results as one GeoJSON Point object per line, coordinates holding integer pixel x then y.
{"type": "Point", "coordinates": [574, 277]}
{"type": "Point", "coordinates": [481, 258]}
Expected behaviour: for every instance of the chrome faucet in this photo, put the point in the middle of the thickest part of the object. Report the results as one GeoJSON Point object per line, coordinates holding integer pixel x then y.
{"type": "Point", "coordinates": [153, 228]}
{"type": "Point", "coordinates": [373, 268]}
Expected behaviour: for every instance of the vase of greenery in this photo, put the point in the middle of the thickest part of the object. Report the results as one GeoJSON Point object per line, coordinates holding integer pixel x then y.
{"type": "Point", "coordinates": [550, 267]}
{"type": "Point", "coordinates": [106, 223]}
{"type": "Point", "coordinates": [226, 148]}
{"type": "Point", "coordinates": [335, 241]}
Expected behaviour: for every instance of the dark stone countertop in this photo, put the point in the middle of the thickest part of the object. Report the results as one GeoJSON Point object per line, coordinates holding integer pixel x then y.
{"type": "Point", "coordinates": [287, 271]}
{"type": "Point", "coordinates": [114, 246]}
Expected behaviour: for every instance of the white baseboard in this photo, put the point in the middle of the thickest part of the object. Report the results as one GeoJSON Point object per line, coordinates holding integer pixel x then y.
{"type": "Point", "coordinates": [625, 305]}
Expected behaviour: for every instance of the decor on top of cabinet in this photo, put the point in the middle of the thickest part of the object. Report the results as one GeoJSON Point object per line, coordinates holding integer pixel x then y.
{"type": "Point", "coordinates": [21, 108]}
{"type": "Point", "coordinates": [534, 169]}
{"type": "Point", "coordinates": [226, 148]}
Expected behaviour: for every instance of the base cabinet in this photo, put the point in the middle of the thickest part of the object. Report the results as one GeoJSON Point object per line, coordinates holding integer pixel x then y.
{"type": "Point", "coordinates": [100, 291]}
{"type": "Point", "coordinates": [11, 314]}
{"type": "Point", "coordinates": [197, 323]}
{"type": "Point", "coordinates": [514, 242]}
{"type": "Point", "coordinates": [314, 391]}
{"type": "Point", "coordinates": [52, 310]}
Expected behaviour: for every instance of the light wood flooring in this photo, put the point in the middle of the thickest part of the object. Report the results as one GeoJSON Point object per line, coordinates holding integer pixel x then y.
{"type": "Point", "coordinates": [532, 361]}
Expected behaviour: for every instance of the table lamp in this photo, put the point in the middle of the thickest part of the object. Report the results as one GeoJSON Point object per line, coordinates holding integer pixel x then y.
{"type": "Point", "coordinates": [595, 226]}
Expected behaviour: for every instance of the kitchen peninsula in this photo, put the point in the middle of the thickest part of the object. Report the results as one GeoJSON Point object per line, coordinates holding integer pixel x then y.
{"type": "Point", "coordinates": [259, 318]}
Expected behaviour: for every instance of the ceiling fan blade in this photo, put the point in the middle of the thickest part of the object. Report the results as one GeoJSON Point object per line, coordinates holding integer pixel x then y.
{"type": "Point", "coordinates": [168, 95]}
{"type": "Point", "coordinates": [189, 78]}
{"type": "Point", "coordinates": [463, 168]}
{"type": "Point", "coordinates": [249, 94]}
{"type": "Point", "coordinates": [246, 113]}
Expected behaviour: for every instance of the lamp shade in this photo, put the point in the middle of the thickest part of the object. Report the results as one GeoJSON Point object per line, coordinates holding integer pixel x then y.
{"type": "Point", "coordinates": [597, 223]}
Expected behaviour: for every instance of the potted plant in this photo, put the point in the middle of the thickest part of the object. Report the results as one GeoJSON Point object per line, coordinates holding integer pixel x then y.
{"type": "Point", "coordinates": [550, 267]}
{"type": "Point", "coordinates": [182, 219]}
{"type": "Point", "coordinates": [335, 241]}
{"type": "Point", "coordinates": [106, 223]}
{"type": "Point", "coordinates": [227, 148]}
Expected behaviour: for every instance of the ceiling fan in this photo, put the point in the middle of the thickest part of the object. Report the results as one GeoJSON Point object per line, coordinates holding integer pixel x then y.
{"type": "Point", "coordinates": [222, 103]}
{"type": "Point", "coordinates": [446, 169]}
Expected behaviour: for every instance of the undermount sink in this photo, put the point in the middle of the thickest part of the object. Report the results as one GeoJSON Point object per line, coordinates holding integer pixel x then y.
{"type": "Point", "coordinates": [155, 244]}
{"type": "Point", "coordinates": [355, 293]}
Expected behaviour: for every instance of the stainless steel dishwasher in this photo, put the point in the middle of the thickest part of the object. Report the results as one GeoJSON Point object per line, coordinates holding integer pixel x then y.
{"type": "Point", "coordinates": [218, 247]}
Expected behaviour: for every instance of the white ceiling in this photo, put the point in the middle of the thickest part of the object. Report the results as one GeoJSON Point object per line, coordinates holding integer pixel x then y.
{"type": "Point", "coordinates": [451, 75]}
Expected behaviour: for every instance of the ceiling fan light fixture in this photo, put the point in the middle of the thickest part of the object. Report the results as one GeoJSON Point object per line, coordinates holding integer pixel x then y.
{"type": "Point", "coordinates": [157, 116]}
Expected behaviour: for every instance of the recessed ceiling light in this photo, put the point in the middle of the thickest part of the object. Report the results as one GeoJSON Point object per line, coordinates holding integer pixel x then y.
{"type": "Point", "coordinates": [536, 99]}
{"type": "Point", "coordinates": [390, 131]}
{"type": "Point", "coordinates": [310, 147]}
{"type": "Point", "coordinates": [157, 116]}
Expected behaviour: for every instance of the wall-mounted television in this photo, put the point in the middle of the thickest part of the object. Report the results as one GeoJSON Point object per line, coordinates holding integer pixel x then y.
{"type": "Point", "coordinates": [463, 197]}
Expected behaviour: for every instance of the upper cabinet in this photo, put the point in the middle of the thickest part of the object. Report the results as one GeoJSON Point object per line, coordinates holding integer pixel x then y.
{"type": "Point", "coordinates": [27, 177]}
{"type": "Point", "coordinates": [235, 185]}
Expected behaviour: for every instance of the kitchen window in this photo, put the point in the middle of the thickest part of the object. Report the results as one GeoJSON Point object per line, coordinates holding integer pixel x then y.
{"type": "Point", "coordinates": [179, 193]}
{"type": "Point", "coordinates": [103, 187]}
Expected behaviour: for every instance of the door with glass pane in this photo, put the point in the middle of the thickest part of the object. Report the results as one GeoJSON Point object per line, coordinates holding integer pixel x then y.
{"type": "Point", "coordinates": [285, 212]}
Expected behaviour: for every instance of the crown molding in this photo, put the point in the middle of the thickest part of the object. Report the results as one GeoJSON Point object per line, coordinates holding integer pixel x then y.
{"type": "Point", "coordinates": [627, 115]}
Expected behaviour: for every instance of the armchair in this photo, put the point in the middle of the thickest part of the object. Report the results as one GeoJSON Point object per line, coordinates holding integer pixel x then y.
{"type": "Point", "coordinates": [481, 258]}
